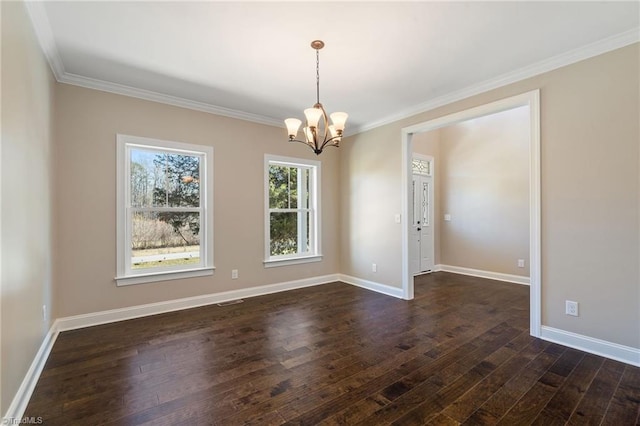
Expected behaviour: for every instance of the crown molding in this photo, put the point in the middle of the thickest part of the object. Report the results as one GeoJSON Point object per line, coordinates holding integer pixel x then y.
{"type": "Point", "coordinates": [598, 48]}
{"type": "Point", "coordinates": [42, 28]}
{"type": "Point", "coordinates": [44, 34]}
{"type": "Point", "coordinates": [148, 95]}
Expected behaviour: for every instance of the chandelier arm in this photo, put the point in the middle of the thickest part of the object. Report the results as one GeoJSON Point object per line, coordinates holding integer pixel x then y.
{"type": "Point", "coordinates": [326, 120]}
{"type": "Point", "coordinates": [333, 145]}
{"type": "Point", "coordinates": [331, 142]}
{"type": "Point", "coordinates": [304, 142]}
{"type": "Point", "coordinates": [314, 144]}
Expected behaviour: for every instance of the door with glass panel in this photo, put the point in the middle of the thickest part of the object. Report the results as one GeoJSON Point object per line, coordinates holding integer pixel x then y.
{"type": "Point", "coordinates": [422, 236]}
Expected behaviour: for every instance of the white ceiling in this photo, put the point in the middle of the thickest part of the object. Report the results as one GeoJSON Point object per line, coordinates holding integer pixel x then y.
{"type": "Point", "coordinates": [382, 61]}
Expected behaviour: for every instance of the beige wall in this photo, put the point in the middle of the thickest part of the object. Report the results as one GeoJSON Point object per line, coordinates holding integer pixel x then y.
{"type": "Point", "coordinates": [485, 188]}
{"type": "Point", "coordinates": [369, 199]}
{"type": "Point", "coordinates": [87, 122]}
{"type": "Point", "coordinates": [27, 97]}
{"type": "Point", "coordinates": [590, 194]}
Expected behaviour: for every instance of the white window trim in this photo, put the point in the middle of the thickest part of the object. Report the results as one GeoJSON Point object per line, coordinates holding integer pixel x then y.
{"type": "Point", "coordinates": [294, 259]}
{"type": "Point", "coordinates": [272, 263]}
{"type": "Point", "coordinates": [127, 277]}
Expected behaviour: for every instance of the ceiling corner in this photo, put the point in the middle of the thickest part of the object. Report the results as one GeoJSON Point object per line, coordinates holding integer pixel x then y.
{"type": "Point", "coordinates": [44, 34]}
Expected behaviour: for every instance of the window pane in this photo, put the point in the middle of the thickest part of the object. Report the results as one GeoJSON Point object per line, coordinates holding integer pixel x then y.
{"type": "Point", "coordinates": [290, 232]}
{"type": "Point", "coordinates": [306, 227]}
{"type": "Point", "coordinates": [177, 182]}
{"type": "Point", "coordinates": [284, 233]}
{"type": "Point", "coordinates": [283, 187]}
{"type": "Point", "coordinates": [164, 179]}
{"type": "Point", "coordinates": [143, 177]}
{"type": "Point", "coordinates": [304, 189]}
{"type": "Point", "coordinates": [165, 239]}
{"type": "Point", "coordinates": [183, 180]}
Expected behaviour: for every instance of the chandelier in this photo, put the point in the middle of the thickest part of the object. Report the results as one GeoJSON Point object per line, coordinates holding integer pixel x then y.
{"type": "Point", "coordinates": [318, 133]}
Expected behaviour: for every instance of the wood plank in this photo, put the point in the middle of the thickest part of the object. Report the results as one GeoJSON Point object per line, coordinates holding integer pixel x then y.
{"type": "Point", "coordinates": [624, 408]}
{"type": "Point", "coordinates": [444, 381]}
{"type": "Point", "coordinates": [506, 397]}
{"type": "Point", "coordinates": [566, 399]}
{"type": "Point", "coordinates": [594, 404]}
{"type": "Point", "coordinates": [466, 405]}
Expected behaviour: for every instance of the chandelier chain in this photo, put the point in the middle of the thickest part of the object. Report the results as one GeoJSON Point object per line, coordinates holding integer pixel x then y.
{"type": "Point", "coordinates": [317, 76]}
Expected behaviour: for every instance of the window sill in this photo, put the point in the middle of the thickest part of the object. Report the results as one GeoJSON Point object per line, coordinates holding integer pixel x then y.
{"type": "Point", "coordinates": [163, 276]}
{"type": "Point", "coordinates": [273, 263]}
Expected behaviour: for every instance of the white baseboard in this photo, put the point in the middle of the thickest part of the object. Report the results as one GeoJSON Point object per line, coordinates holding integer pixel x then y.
{"type": "Point", "coordinates": [371, 285]}
{"type": "Point", "coordinates": [113, 315]}
{"type": "Point", "coordinates": [498, 276]}
{"type": "Point", "coordinates": [19, 403]}
{"type": "Point", "coordinates": [592, 345]}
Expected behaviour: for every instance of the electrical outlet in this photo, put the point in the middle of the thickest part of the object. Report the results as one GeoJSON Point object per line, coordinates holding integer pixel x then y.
{"type": "Point", "coordinates": [374, 267]}
{"type": "Point", "coordinates": [571, 308]}
{"type": "Point", "coordinates": [234, 274]}
{"type": "Point", "coordinates": [44, 313]}
{"type": "Point", "coordinates": [447, 217]}
{"type": "Point", "coordinates": [520, 263]}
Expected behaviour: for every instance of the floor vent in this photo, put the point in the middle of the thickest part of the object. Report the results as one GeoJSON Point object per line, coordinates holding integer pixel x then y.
{"type": "Point", "coordinates": [231, 302]}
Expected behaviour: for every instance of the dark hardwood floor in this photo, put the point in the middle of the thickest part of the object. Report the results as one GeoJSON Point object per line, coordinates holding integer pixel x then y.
{"type": "Point", "coordinates": [460, 353]}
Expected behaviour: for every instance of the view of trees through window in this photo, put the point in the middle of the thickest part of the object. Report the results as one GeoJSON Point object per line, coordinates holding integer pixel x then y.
{"type": "Point", "coordinates": [164, 206]}
{"type": "Point", "coordinates": [289, 213]}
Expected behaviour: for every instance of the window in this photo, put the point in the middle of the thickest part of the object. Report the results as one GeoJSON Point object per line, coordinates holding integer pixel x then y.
{"type": "Point", "coordinates": [421, 166]}
{"type": "Point", "coordinates": [164, 210]}
{"type": "Point", "coordinates": [292, 206]}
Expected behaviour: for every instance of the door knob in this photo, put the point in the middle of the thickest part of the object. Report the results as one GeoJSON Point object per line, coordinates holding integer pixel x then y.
{"type": "Point", "coordinates": [419, 229]}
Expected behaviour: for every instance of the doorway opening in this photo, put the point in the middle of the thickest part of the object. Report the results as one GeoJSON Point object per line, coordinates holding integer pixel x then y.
{"type": "Point", "coordinates": [532, 101]}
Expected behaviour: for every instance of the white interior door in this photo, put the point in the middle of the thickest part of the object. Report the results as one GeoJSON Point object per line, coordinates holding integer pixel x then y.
{"type": "Point", "coordinates": [421, 236]}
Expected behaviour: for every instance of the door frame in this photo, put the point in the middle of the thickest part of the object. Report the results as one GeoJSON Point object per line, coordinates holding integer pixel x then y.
{"type": "Point", "coordinates": [432, 199]}
{"type": "Point", "coordinates": [530, 99]}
